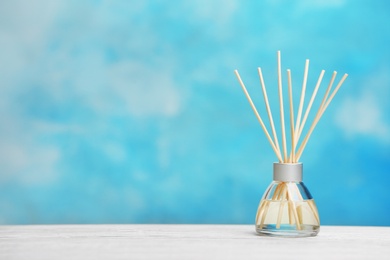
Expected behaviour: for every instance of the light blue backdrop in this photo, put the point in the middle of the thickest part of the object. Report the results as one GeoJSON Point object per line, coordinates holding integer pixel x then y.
{"type": "Point", "coordinates": [129, 111]}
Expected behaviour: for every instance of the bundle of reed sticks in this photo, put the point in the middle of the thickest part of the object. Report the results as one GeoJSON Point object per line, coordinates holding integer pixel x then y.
{"type": "Point", "coordinates": [297, 123]}
{"type": "Point", "coordinates": [287, 194]}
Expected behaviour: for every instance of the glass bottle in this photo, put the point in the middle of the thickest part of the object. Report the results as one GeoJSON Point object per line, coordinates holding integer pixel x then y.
{"type": "Point", "coordinates": [287, 208]}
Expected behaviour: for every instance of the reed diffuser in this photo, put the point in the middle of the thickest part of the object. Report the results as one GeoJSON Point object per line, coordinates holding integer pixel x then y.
{"type": "Point", "coordinates": [287, 207]}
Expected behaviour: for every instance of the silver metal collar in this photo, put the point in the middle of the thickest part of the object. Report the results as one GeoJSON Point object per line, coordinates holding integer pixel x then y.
{"type": "Point", "coordinates": [288, 172]}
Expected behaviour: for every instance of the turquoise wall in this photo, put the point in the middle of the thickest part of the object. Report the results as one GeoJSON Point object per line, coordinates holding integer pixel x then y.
{"type": "Point", "coordinates": [129, 111]}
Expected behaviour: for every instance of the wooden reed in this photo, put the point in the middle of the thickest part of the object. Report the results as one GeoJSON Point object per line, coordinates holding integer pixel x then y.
{"type": "Point", "coordinates": [268, 109]}
{"type": "Point", "coordinates": [302, 100]}
{"type": "Point", "coordinates": [313, 96]}
{"type": "Point", "coordinates": [290, 94]}
{"type": "Point", "coordinates": [258, 116]}
{"type": "Point", "coordinates": [281, 107]}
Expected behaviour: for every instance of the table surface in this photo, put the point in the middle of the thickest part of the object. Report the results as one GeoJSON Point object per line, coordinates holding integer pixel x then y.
{"type": "Point", "coordinates": [187, 242]}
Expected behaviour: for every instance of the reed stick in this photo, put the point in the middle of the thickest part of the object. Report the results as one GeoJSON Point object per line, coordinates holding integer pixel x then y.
{"type": "Point", "coordinates": [290, 211]}
{"type": "Point", "coordinates": [294, 209]}
{"type": "Point", "coordinates": [314, 210]}
{"type": "Point", "coordinates": [302, 100]}
{"type": "Point", "coordinates": [300, 198]}
{"type": "Point", "coordinates": [281, 107]}
{"type": "Point", "coordinates": [290, 215]}
{"type": "Point", "coordinates": [264, 213]}
{"type": "Point", "coordinates": [310, 104]}
{"type": "Point", "coordinates": [260, 211]}
{"type": "Point", "coordinates": [292, 153]}
{"type": "Point", "coordinates": [327, 93]}
{"type": "Point", "coordinates": [281, 206]}
{"type": "Point", "coordinates": [291, 204]}
{"type": "Point", "coordinates": [268, 109]}
{"type": "Point", "coordinates": [277, 192]}
{"type": "Point", "coordinates": [258, 116]}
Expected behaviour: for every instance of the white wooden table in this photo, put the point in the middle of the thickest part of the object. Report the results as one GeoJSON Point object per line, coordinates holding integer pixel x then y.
{"type": "Point", "coordinates": [187, 242]}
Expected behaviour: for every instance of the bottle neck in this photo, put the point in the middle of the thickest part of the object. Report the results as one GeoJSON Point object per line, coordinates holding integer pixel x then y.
{"type": "Point", "coordinates": [286, 172]}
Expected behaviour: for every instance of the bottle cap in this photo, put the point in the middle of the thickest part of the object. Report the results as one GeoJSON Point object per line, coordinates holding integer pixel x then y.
{"type": "Point", "coordinates": [288, 172]}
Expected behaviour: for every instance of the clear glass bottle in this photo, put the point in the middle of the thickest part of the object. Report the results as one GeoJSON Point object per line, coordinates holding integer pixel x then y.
{"type": "Point", "coordinates": [287, 208]}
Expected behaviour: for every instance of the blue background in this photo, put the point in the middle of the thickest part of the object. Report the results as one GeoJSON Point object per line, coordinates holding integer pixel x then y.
{"type": "Point", "coordinates": [129, 111]}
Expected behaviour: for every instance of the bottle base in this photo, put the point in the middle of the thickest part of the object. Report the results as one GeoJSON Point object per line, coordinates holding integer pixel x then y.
{"type": "Point", "coordinates": [288, 230]}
